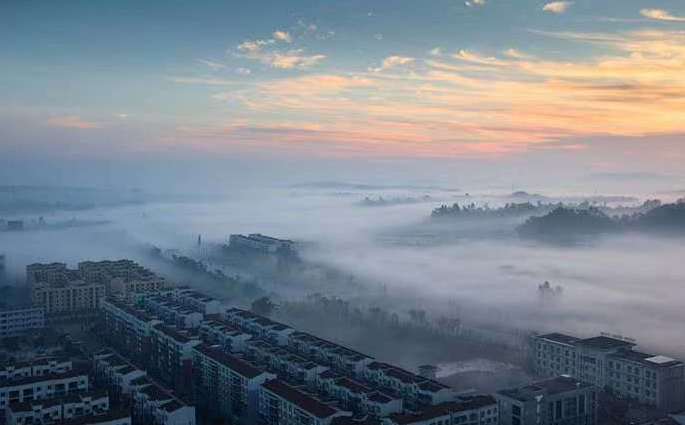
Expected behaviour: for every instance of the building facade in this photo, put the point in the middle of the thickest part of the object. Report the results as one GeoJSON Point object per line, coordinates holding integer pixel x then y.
{"type": "Point", "coordinates": [19, 321]}
{"type": "Point", "coordinates": [613, 364]}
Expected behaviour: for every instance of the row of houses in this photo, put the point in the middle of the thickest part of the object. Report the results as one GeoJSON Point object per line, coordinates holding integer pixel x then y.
{"type": "Point", "coordinates": [151, 402]}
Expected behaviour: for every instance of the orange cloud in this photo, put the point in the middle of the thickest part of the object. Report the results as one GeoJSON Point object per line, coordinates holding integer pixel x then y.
{"type": "Point", "coordinates": [471, 104]}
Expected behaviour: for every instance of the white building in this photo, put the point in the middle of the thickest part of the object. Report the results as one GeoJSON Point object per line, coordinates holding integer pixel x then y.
{"type": "Point", "coordinates": [613, 363]}
{"type": "Point", "coordinates": [68, 298]}
{"type": "Point", "coordinates": [58, 410]}
{"type": "Point", "coordinates": [36, 367]}
{"type": "Point", "coordinates": [18, 321]}
{"type": "Point", "coordinates": [156, 406]}
{"type": "Point", "coordinates": [282, 404]}
{"type": "Point", "coordinates": [43, 386]}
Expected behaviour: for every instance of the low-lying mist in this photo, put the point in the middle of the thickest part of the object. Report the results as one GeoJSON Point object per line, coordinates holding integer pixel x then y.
{"type": "Point", "coordinates": [629, 284]}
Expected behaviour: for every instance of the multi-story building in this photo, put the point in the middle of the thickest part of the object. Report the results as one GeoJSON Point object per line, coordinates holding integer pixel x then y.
{"type": "Point", "coordinates": [172, 356]}
{"type": "Point", "coordinates": [36, 367]}
{"type": "Point", "coordinates": [260, 243]}
{"type": "Point", "coordinates": [42, 386]}
{"type": "Point", "coordinates": [155, 405]}
{"type": "Point", "coordinates": [226, 385]}
{"type": "Point", "coordinates": [129, 330]}
{"type": "Point", "coordinates": [475, 410]}
{"type": "Point", "coordinates": [71, 298]}
{"type": "Point", "coordinates": [282, 404]}
{"type": "Point", "coordinates": [123, 278]}
{"type": "Point", "coordinates": [174, 312]}
{"type": "Point", "coordinates": [58, 410]}
{"type": "Point", "coordinates": [218, 331]}
{"type": "Point", "coordinates": [201, 302]}
{"type": "Point", "coordinates": [613, 364]}
{"type": "Point", "coordinates": [18, 321]}
{"type": "Point", "coordinates": [260, 326]}
{"type": "Point", "coordinates": [115, 373]}
{"type": "Point", "coordinates": [560, 400]}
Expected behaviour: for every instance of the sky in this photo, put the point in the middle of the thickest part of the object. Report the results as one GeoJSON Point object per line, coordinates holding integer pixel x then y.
{"type": "Point", "coordinates": [563, 88]}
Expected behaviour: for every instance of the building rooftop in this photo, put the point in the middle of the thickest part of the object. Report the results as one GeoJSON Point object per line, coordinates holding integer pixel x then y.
{"type": "Point", "coordinates": [645, 359]}
{"type": "Point", "coordinates": [560, 338]}
{"type": "Point", "coordinates": [558, 385]}
{"type": "Point", "coordinates": [300, 399]}
{"type": "Point", "coordinates": [234, 363]}
{"type": "Point", "coordinates": [604, 343]}
{"type": "Point", "coordinates": [444, 409]}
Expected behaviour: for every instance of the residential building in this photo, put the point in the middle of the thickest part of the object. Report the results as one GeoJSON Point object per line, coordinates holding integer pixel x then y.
{"type": "Point", "coordinates": [556, 401]}
{"type": "Point", "coordinates": [226, 385]}
{"type": "Point", "coordinates": [18, 321]}
{"type": "Point", "coordinates": [260, 243]}
{"type": "Point", "coordinates": [282, 404]}
{"type": "Point", "coordinates": [58, 410]}
{"type": "Point", "coordinates": [613, 364]}
{"type": "Point", "coordinates": [36, 367]}
{"type": "Point", "coordinates": [476, 410]}
{"type": "Point", "coordinates": [155, 405]}
{"type": "Point", "coordinates": [67, 298]}
{"type": "Point", "coordinates": [42, 386]}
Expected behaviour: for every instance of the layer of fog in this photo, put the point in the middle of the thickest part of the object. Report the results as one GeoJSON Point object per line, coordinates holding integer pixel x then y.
{"type": "Point", "coordinates": [630, 285]}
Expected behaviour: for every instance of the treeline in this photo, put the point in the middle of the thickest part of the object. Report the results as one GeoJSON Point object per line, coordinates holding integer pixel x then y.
{"type": "Point", "coordinates": [475, 211]}
{"type": "Point", "coordinates": [570, 223]}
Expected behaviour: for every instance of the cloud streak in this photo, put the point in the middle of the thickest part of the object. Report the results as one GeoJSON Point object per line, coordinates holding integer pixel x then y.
{"type": "Point", "coordinates": [557, 7]}
{"type": "Point", "coordinates": [661, 15]}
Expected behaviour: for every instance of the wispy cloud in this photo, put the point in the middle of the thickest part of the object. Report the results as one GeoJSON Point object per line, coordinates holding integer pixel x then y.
{"type": "Point", "coordinates": [557, 7]}
{"type": "Point", "coordinates": [661, 15]}
{"type": "Point", "coordinates": [283, 36]}
{"type": "Point", "coordinates": [72, 121]}
{"type": "Point", "coordinates": [524, 102]}
{"type": "Point", "coordinates": [475, 3]}
{"type": "Point", "coordinates": [202, 81]}
{"type": "Point", "coordinates": [268, 53]}
{"type": "Point", "coordinates": [392, 62]}
{"type": "Point", "coordinates": [213, 65]}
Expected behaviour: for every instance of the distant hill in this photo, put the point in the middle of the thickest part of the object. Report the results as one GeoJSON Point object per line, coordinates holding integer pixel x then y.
{"type": "Point", "coordinates": [565, 223]}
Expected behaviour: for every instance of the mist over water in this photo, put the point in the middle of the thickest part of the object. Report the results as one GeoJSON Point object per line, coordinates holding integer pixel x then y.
{"type": "Point", "coordinates": [630, 285]}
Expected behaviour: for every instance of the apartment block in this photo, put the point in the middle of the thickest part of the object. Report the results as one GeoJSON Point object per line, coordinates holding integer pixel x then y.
{"type": "Point", "coordinates": [44, 386]}
{"type": "Point", "coordinates": [19, 321]}
{"type": "Point", "coordinates": [283, 404]}
{"type": "Point", "coordinates": [58, 410]}
{"type": "Point", "coordinates": [35, 367]}
{"type": "Point", "coordinates": [123, 278]}
{"type": "Point", "coordinates": [155, 405]}
{"type": "Point", "coordinates": [260, 243]}
{"type": "Point", "coordinates": [226, 385]}
{"type": "Point", "coordinates": [613, 364]}
{"type": "Point", "coordinates": [556, 401]}
{"type": "Point", "coordinates": [476, 410]}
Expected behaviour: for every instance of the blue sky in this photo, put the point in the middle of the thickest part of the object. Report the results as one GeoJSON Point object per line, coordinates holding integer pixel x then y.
{"type": "Point", "coordinates": [346, 79]}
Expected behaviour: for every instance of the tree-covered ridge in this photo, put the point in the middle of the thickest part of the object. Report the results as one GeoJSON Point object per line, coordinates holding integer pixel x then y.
{"type": "Point", "coordinates": [569, 222]}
